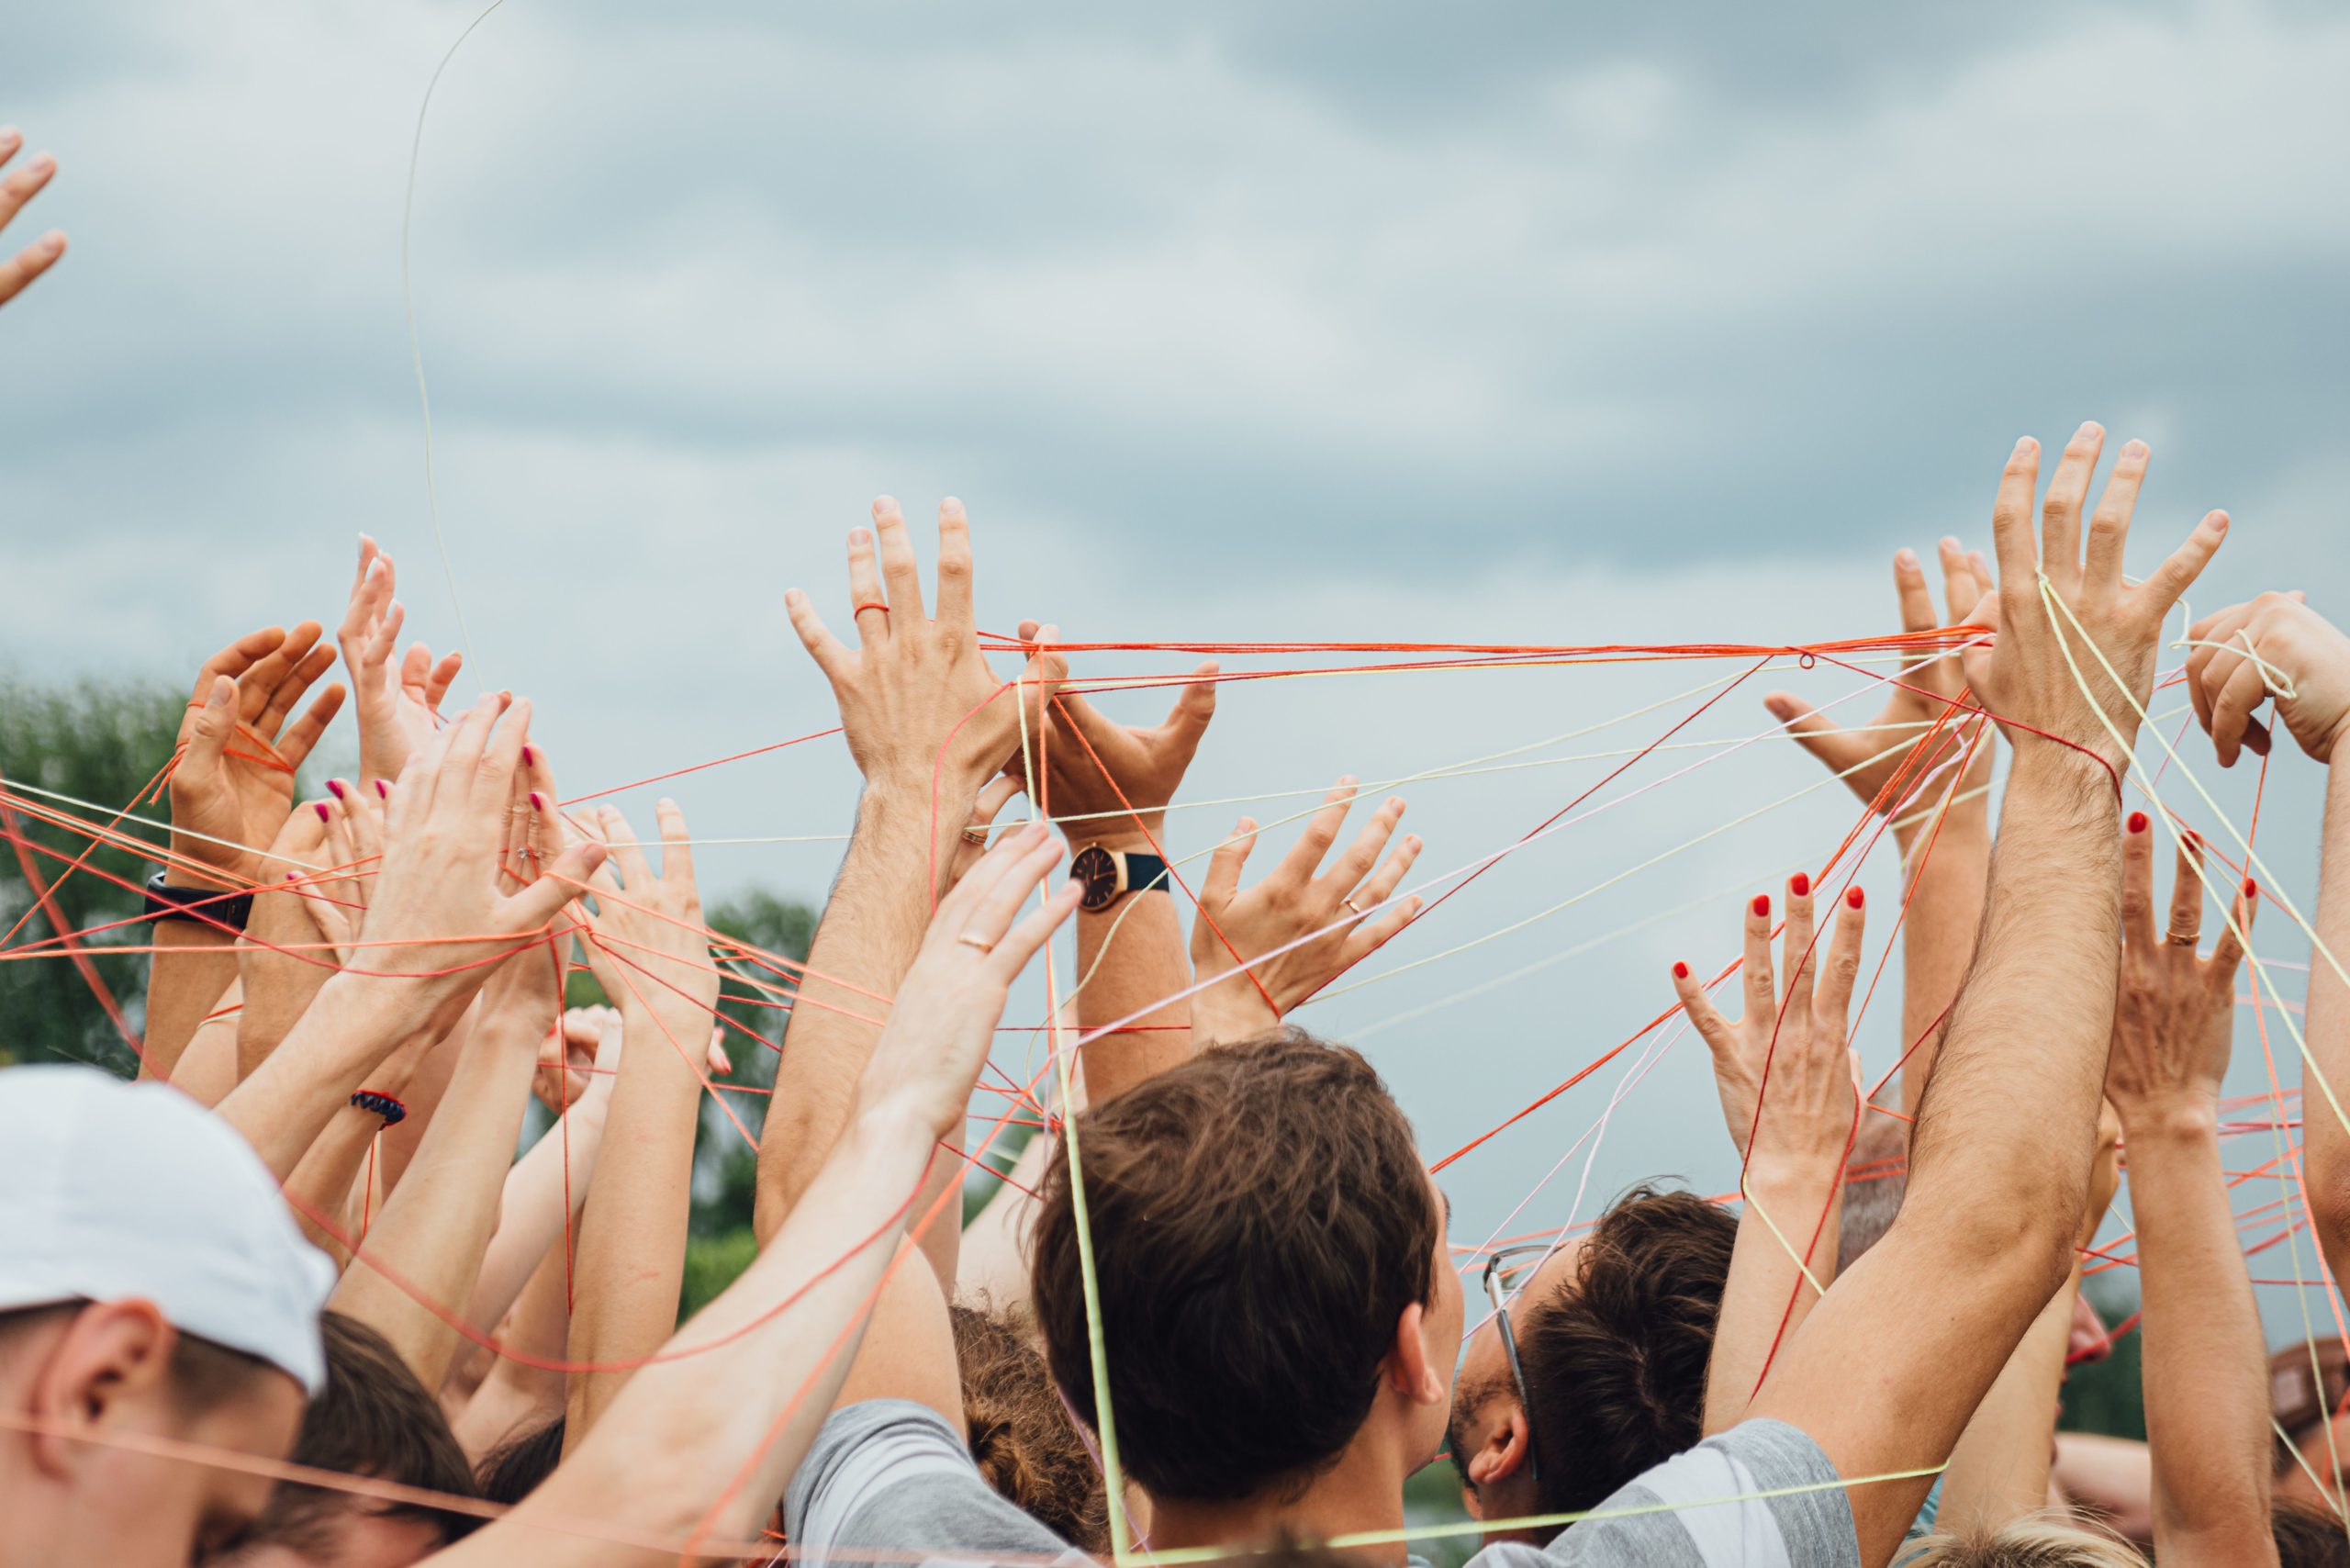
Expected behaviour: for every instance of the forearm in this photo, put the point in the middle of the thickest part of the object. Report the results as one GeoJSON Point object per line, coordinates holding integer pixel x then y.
{"type": "Point", "coordinates": [993, 1266]}
{"type": "Point", "coordinates": [1128, 956]}
{"type": "Point", "coordinates": [432, 1231]}
{"type": "Point", "coordinates": [631, 1258]}
{"type": "Point", "coordinates": [871, 929]}
{"type": "Point", "coordinates": [1768, 1293]}
{"type": "Point", "coordinates": [192, 965]}
{"type": "Point", "coordinates": [278, 986]}
{"type": "Point", "coordinates": [208, 1069]}
{"type": "Point", "coordinates": [2205, 1367]}
{"type": "Point", "coordinates": [426, 1084]}
{"type": "Point", "coordinates": [1947, 870]}
{"type": "Point", "coordinates": [344, 1035]}
{"type": "Point", "coordinates": [542, 1201]}
{"type": "Point", "coordinates": [699, 1442]}
{"type": "Point", "coordinates": [516, 1396]}
{"type": "Point", "coordinates": [322, 1183]}
{"type": "Point", "coordinates": [1999, 1469]}
{"type": "Point", "coordinates": [2325, 1075]}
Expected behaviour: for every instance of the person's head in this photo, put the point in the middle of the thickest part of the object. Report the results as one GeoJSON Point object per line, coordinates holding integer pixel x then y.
{"type": "Point", "coordinates": [2308, 1383]}
{"type": "Point", "coordinates": [373, 1420]}
{"type": "Point", "coordinates": [513, 1470]}
{"type": "Point", "coordinates": [1613, 1338]}
{"type": "Point", "coordinates": [1019, 1433]}
{"type": "Point", "coordinates": [2307, 1537]}
{"type": "Point", "coordinates": [2029, 1542]}
{"type": "Point", "coordinates": [158, 1323]}
{"type": "Point", "coordinates": [1875, 1178]}
{"type": "Point", "coordinates": [1272, 1277]}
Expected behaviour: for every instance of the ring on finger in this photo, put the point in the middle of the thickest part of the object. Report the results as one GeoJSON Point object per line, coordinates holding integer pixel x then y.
{"type": "Point", "coordinates": [2183, 938]}
{"type": "Point", "coordinates": [972, 939]}
{"type": "Point", "coordinates": [1351, 905]}
{"type": "Point", "coordinates": [975, 836]}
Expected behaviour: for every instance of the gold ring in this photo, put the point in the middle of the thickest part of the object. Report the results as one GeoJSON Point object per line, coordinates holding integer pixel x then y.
{"type": "Point", "coordinates": [1351, 904]}
{"type": "Point", "coordinates": [981, 943]}
{"type": "Point", "coordinates": [978, 835]}
{"type": "Point", "coordinates": [2183, 938]}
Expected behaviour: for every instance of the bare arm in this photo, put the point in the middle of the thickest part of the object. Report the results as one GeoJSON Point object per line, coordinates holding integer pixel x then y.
{"type": "Point", "coordinates": [651, 953]}
{"type": "Point", "coordinates": [1999, 1472]}
{"type": "Point", "coordinates": [2001, 1161]}
{"type": "Point", "coordinates": [1792, 1142]}
{"type": "Point", "coordinates": [516, 1396]}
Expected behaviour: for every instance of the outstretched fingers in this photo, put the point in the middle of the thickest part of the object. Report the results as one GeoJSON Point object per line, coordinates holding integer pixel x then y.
{"type": "Point", "coordinates": [898, 568]}
{"type": "Point", "coordinates": [1221, 883]}
{"type": "Point", "coordinates": [955, 612]}
{"type": "Point", "coordinates": [1831, 997]}
{"type": "Point", "coordinates": [1720, 1035]}
{"type": "Point", "coordinates": [1362, 855]}
{"type": "Point", "coordinates": [1304, 856]}
{"type": "Point", "coordinates": [2060, 512]}
{"type": "Point", "coordinates": [832, 655]}
{"type": "Point", "coordinates": [2185, 925]}
{"type": "Point", "coordinates": [2011, 524]}
{"type": "Point", "coordinates": [1794, 945]}
{"type": "Point", "coordinates": [2171, 581]}
{"type": "Point", "coordinates": [2109, 529]}
{"type": "Point", "coordinates": [1761, 991]}
{"type": "Point", "coordinates": [2227, 953]}
{"type": "Point", "coordinates": [2138, 880]}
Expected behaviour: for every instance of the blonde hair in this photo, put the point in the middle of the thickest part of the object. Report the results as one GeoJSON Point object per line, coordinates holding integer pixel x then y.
{"type": "Point", "coordinates": [2032, 1542]}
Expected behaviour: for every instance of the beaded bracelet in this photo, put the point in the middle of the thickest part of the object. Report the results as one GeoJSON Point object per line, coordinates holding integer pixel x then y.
{"type": "Point", "coordinates": [383, 1105]}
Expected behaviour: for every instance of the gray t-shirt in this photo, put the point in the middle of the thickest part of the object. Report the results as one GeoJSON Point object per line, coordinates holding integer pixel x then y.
{"type": "Point", "coordinates": [887, 1481]}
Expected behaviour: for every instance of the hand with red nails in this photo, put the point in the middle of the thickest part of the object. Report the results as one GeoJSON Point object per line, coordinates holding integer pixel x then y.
{"type": "Point", "coordinates": [396, 706]}
{"type": "Point", "coordinates": [1110, 783]}
{"type": "Point", "coordinates": [646, 942]}
{"type": "Point", "coordinates": [1870, 759]}
{"type": "Point", "coordinates": [22, 183]}
{"type": "Point", "coordinates": [232, 784]}
{"type": "Point", "coordinates": [2052, 671]}
{"type": "Point", "coordinates": [921, 709]}
{"type": "Point", "coordinates": [2174, 1015]}
{"type": "Point", "coordinates": [1340, 909]}
{"type": "Point", "coordinates": [348, 849]}
{"type": "Point", "coordinates": [1794, 1033]}
{"type": "Point", "coordinates": [2273, 646]}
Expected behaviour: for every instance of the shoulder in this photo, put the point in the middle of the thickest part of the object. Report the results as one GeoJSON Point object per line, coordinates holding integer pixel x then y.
{"type": "Point", "coordinates": [890, 1473]}
{"type": "Point", "coordinates": [1759, 1495]}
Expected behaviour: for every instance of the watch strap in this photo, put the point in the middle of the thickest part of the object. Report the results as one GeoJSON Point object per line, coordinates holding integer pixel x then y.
{"type": "Point", "coordinates": [204, 906]}
{"type": "Point", "coordinates": [1144, 872]}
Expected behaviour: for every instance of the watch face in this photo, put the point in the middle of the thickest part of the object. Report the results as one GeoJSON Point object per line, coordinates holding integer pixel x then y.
{"type": "Point", "coordinates": [1098, 872]}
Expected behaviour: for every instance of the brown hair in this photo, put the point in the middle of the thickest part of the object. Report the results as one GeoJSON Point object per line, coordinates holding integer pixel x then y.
{"type": "Point", "coordinates": [374, 1419]}
{"type": "Point", "coordinates": [2307, 1537]}
{"type": "Point", "coordinates": [2030, 1542]}
{"type": "Point", "coordinates": [1616, 1359]}
{"type": "Point", "coordinates": [1019, 1433]}
{"type": "Point", "coordinates": [1261, 1219]}
{"type": "Point", "coordinates": [512, 1470]}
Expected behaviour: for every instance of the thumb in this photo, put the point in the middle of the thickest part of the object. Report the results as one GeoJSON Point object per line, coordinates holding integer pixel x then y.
{"type": "Point", "coordinates": [1815, 733]}
{"type": "Point", "coordinates": [1196, 706]}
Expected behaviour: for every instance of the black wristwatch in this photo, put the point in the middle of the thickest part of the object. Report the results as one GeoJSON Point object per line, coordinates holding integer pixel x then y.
{"type": "Point", "coordinates": [210, 905]}
{"type": "Point", "coordinates": [1110, 875]}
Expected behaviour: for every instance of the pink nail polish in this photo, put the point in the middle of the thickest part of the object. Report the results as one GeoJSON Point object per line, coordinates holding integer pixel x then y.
{"type": "Point", "coordinates": [530, 758]}
{"type": "Point", "coordinates": [321, 807]}
{"type": "Point", "coordinates": [383, 789]}
{"type": "Point", "coordinates": [334, 788]}
{"type": "Point", "coordinates": [538, 802]}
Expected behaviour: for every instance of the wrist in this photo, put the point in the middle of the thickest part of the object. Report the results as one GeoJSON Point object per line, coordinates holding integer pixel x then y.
{"type": "Point", "coordinates": [1120, 833]}
{"type": "Point", "coordinates": [1779, 1176]}
{"type": "Point", "coordinates": [2048, 762]}
{"type": "Point", "coordinates": [2179, 1118]}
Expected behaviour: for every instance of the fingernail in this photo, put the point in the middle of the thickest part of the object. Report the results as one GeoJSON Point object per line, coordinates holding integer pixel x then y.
{"type": "Point", "coordinates": [1905, 556]}
{"type": "Point", "coordinates": [2251, 890]}
{"type": "Point", "coordinates": [1854, 897]}
{"type": "Point", "coordinates": [538, 802]}
{"type": "Point", "coordinates": [2025, 444]}
{"type": "Point", "coordinates": [334, 788]}
{"type": "Point", "coordinates": [320, 807]}
{"type": "Point", "coordinates": [383, 789]}
{"type": "Point", "coordinates": [1762, 905]}
{"type": "Point", "coordinates": [1799, 884]}
{"type": "Point", "coordinates": [289, 875]}
{"type": "Point", "coordinates": [530, 758]}
{"type": "Point", "coordinates": [2137, 822]}
{"type": "Point", "coordinates": [1779, 706]}
{"type": "Point", "coordinates": [1680, 971]}
{"type": "Point", "coordinates": [40, 164]}
{"type": "Point", "coordinates": [2133, 449]}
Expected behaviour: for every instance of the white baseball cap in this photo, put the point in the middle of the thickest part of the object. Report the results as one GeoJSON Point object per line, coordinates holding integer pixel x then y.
{"type": "Point", "coordinates": [111, 1191]}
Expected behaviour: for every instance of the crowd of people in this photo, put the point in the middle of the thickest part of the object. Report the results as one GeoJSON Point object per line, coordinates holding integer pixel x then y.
{"type": "Point", "coordinates": [291, 1298]}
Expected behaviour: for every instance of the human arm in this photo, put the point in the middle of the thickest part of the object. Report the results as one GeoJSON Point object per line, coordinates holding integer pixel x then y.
{"type": "Point", "coordinates": [1791, 1141]}
{"type": "Point", "coordinates": [2307, 666]}
{"type": "Point", "coordinates": [231, 790]}
{"type": "Point", "coordinates": [515, 1395]}
{"type": "Point", "coordinates": [928, 724]}
{"type": "Point", "coordinates": [22, 184]}
{"type": "Point", "coordinates": [701, 1441]}
{"type": "Point", "coordinates": [2000, 1159]}
{"type": "Point", "coordinates": [2206, 1368]}
{"type": "Point", "coordinates": [651, 953]}
{"type": "Point", "coordinates": [1327, 923]}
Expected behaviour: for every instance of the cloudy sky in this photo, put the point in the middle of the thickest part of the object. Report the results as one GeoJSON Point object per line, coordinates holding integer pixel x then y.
{"type": "Point", "coordinates": [1521, 324]}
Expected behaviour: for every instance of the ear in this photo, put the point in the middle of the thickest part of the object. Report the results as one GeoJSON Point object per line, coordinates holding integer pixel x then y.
{"type": "Point", "coordinates": [1503, 1452]}
{"type": "Point", "coordinates": [1410, 1370]}
{"type": "Point", "coordinates": [114, 1358]}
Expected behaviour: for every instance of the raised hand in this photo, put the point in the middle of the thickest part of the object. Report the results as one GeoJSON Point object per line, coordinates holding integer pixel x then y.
{"type": "Point", "coordinates": [452, 895]}
{"type": "Point", "coordinates": [1106, 781]}
{"type": "Point", "coordinates": [21, 186]}
{"type": "Point", "coordinates": [396, 706]}
{"type": "Point", "coordinates": [347, 847]}
{"type": "Point", "coordinates": [232, 783]}
{"type": "Point", "coordinates": [647, 944]}
{"type": "Point", "coordinates": [1791, 1039]}
{"type": "Point", "coordinates": [2080, 674]}
{"type": "Point", "coordinates": [2174, 1016]}
{"type": "Point", "coordinates": [2306, 659]}
{"type": "Point", "coordinates": [972, 843]}
{"type": "Point", "coordinates": [943, 1019]}
{"type": "Point", "coordinates": [1869, 761]}
{"type": "Point", "coordinates": [921, 709]}
{"type": "Point", "coordinates": [1290, 902]}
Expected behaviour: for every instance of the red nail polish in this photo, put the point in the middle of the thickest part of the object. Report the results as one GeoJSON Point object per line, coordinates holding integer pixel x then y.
{"type": "Point", "coordinates": [1799, 884]}
{"type": "Point", "coordinates": [2251, 890]}
{"type": "Point", "coordinates": [538, 802]}
{"type": "Point", "coordinates": [1856, 896]}
{"type": "Point", "coordinates": [529, 756]}
{"type": "Point", "coordinates": [383, 789]}
{"type": "Point", "coordinates": [334, 788]}
{"type": "Point", "coordinates": [1762, 905]}
{"type": "Point", "coordinates": [2137, 822]}
{"type": "Point", "coordinates": [320, 807]}
{"type": "Point", "coordinates": [1680, 971]}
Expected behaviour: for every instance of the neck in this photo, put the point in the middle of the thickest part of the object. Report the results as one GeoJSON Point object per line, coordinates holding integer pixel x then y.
{"type": "Point", "coordinates": [1364, 1491]}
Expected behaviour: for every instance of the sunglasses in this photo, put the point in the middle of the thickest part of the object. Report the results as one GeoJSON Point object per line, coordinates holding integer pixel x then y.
{"type": "Point", "coordinates": [1505, 1272]}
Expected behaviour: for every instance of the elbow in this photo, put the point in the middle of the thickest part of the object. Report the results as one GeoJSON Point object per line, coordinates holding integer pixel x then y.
{"type": "Point", "coordinates": [2025, 1241]}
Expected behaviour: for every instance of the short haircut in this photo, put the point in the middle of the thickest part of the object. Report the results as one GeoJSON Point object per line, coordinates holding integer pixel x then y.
{"type": "Point", "coordinates": [2307, 1537]}
{"type": "Point", "coordinates": [2033, 1541]}
{"type": "Point", "coordinates": [203, 1375]}
{"type": "Point", "coordinates": [1260, 1220]}
{"type": "Point", "coordinates": [1876, 1178]}
{"type": "Point", "coordinates": [372, 1420]}
{"type": "Point", "coordinates": [513, 1470]}
{"type": "Point", "coordinates": [1616, 1360]}
{"type": "Point", "coordinates": [1019, 1433]}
